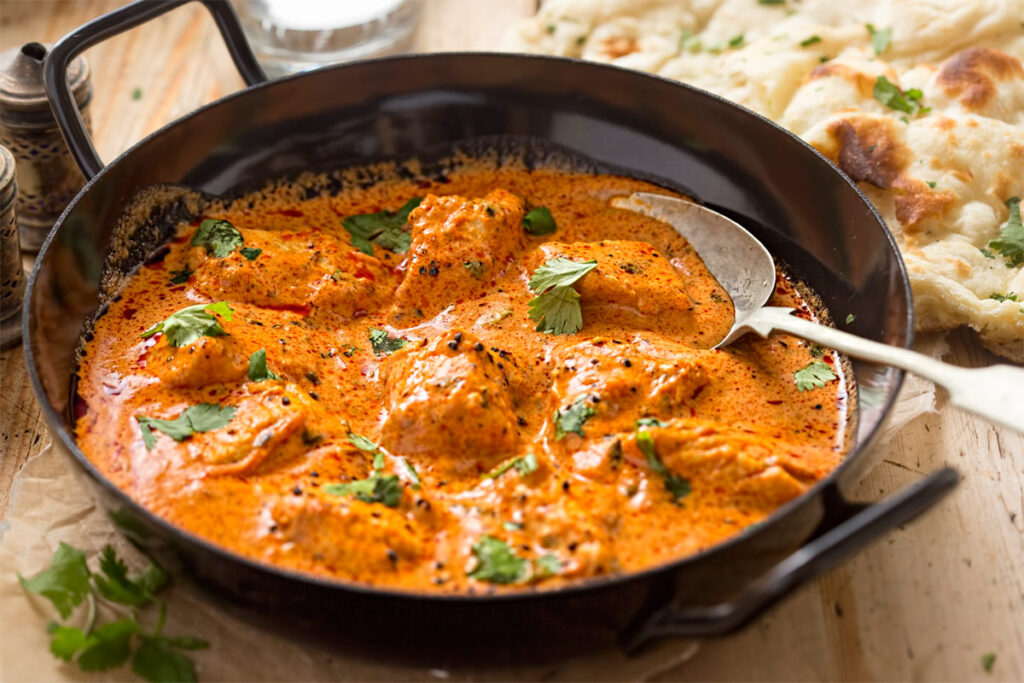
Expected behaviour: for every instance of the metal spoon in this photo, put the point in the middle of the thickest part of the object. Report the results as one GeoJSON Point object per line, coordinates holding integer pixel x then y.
{"type": "Point", "coordinates": [743, 266]}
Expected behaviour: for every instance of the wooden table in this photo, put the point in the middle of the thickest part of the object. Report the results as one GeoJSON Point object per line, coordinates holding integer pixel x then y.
{"type": "Point", "coordinates": [925, 603]}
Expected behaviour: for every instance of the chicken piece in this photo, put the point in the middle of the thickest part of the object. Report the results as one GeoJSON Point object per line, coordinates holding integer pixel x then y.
{"type": "Point", "coordinates": [735, 467]}
{"type": "Point", "coordinates": [448, 402]}
{"type": "Point", "coordinates": [630, 276]}
{"type": "Point", "coordinates": [602, 386]}
{"type": "Point", "coordinates": [270, 427]}
{"type": "Point", "coordinates": [208, 360]}
{"type": "Point", "coordinates": [323, 274]}
{"type": "Point", "coordinates": [356, 539]}
{"type": "Point", "coordinates": [459, 246]}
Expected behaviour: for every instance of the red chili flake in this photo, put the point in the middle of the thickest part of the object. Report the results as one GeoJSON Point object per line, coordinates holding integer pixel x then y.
{"type": "Point", "coordinates": [365, 273]}
{"type": "Point", "coordinates": [294, 213]}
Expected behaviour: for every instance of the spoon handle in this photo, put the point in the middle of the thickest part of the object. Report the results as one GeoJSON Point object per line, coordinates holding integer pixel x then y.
{"type": "Point", "coordinates": [995, 392]}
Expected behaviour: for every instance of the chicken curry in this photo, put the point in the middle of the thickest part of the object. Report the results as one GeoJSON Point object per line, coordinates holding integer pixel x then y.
{"type": "Point", "coordinates": [487, 381]}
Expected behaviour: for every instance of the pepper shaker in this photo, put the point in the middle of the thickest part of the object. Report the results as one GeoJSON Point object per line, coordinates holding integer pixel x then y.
{"type": "Point", "coordinates": [12, 278]}
{"type": "Point", "coordinates": [47, 174]}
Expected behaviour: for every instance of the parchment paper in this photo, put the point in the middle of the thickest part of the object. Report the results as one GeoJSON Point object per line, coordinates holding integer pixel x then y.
{"type": "Point", "coordinates": [49, 505]}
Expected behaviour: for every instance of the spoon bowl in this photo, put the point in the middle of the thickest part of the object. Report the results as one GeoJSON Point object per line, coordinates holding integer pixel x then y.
{"type": "Point", "coordinates": [746, 270]}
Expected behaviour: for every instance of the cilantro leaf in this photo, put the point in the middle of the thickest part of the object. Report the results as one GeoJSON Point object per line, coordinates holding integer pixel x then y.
{"type": "Point", "coordinates": [737, 41]}
{"type": "Point", "coordinates": [192, 322]}
{"type": "Point", "coordinates": [496, 562]}
{"type": "Point", "coordinates": [409, 472]}
{"type": "Point", "coordinates": [156, 660]}
{"type": "Point", "coordinates": [380, 342]}
{"type": "Point", "coordinates": [66, 641]}
{"type": "Point", "coordinates": [362, 443]}
{"type": "Point", "coordinates": [850, 317]}
{"type": "Point", "coordinates": [880, 38]}
{"type": "Point", "coordinates": [557, 306]}
{"type": "Point", "coordinates": [180, 277]}
{"type": "Point", "coordinates": [524, 465]}
{"type": "Point", "coordinates": [109, 645]}
{"type": "Point", "coordinates": [891, 96]}
{"type": "Point", "coordinates": [678, 486]}
{"type": "Point", "coordinates": [250, 253]}
{"type": "Point", "coordinates": [1010, 296]}
{"type": "Point", "coordinates": [1010, 244]}
{"type": "Point", "coordinates": [218, 236]}
{"type": "Point", "coordinates": [376, 488]}
{"type": "Point", "coordinates": [539, 221]}
{"type": "Point", "coordinates": [383, 228]}
{"type": "Point", "coordinates": [807, 42]}
{"type": "Point", "coordinates": [572, 418]}
{"type": "Point", "coordinates": [988, 660]}
{"type": "Point", "coordinates": [65, 583]}
{"type": "Point", "coordinates": [650, 422]}
{"type": "Point", "coordinates": [258, 370]}
{"type": "Point", "coordinates": [202, 417]}
{"type": "Point", "coordinates": [115, 585]}
{"type": "Point", "coordinates": [771, 2]}
{"type": "Point", "coordinates": [548, 564]}
{"type": "Point", "coordinates": [813, 376]}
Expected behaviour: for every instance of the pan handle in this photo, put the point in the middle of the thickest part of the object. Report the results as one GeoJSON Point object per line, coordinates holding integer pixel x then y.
{"type": "Point", "coordinates": [55, 67]}
{"type": "Point", "coordinates": [853, 527]}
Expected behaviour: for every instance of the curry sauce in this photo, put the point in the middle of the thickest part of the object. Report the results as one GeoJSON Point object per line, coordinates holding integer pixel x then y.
{"type": "Point", "coordinates": [379, 387]}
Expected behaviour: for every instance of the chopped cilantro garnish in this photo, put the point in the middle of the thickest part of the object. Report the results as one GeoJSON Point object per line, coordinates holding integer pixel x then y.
{"type": "Point", "coordinates": [850, 317]}
{"type": "Point", "coordinates": [409, 472]}
{"type": "Point", "coordinates": [180, 277]}
{"type": "Point", "coordinates": [650, 422]}
{"type": "Point", "coordinates": [807, 42]}
{"type": "Point", "coordinates": [258, 370]}
{"type": "Point", "coordinates": [1010, 244]}
{"type": "Point", "coordinates": [737, 41]}
{"type": "Point", "coordinates": [556, 308]}
{"type": "Point", "coordinates": [376, 488]}
{"type": "Point", "coordinates": [384, 228]}
{"type": "Point", "coordinates": [771, 2]}
{"type": "Point", "coordinates": [931, 183]}
{"type": "Point", "coordinates": [362, 443]}
{"type": "Point", "coordinates": [678, 486]}
{"type": "Point", "coordinates": [382, 343]}
{"type": "Point", "coordinates": [524, 465]}
{"type": "Point", "coordinates": [986, 253]}
{"type": "Point", "coordinates": [202, 417]}
{"type": "Point", "coordinates": [1011, 296]}
{"type": "Point", "coordinates": [988, 660]}
{"type": "Point", "coordinates": [475, 268]}
{"type": "Point", "coordinates": [572, 418]}
{"type": "Point", "coordinates": [880, 38]}
{"type": "Point", "coordinates": [891, 96]}
{"type": "Point", "coordinates": [548, 564]}
{"type": "Point", "coordinates": [496, 562]}
{"type": "Point", "coordinates": [250, 253]}
{"type": "Point", "coordinates": [136, 93]}
{"type": "Point", "coordinates": [67, 583]}
{"type": "Point", "coordinates": [538, 221]}
{"type": "Point", "coordinates": [218, 236]}
{"type": "Point", "coordinates": [689, 42]}
{"type": "Point", "coordinates": [813, 376]}
{"type": "Point", "coordinates": [350, 350]}
{"type": "Point", "coordinates": [189, 324]}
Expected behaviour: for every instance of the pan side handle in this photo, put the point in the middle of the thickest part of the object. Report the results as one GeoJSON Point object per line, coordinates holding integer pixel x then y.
{"type": "Point", "coordinates": [854, 527]}
{"type": "Point", "coordinates": [55, 67]}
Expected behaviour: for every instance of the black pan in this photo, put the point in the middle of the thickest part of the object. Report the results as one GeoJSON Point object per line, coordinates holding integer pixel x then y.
{"type": "Point", "coordinates": [809, 214]}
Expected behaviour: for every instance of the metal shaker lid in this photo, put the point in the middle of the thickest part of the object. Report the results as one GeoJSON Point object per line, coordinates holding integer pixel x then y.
{"type": "Point", "coordinates": [8, 188]}
{"type": "Point", "coordinates": [23, 100]}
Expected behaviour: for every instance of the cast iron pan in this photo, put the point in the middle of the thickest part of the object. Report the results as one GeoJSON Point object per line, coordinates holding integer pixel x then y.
{"type": "Point", "coordinates": [808, 213]}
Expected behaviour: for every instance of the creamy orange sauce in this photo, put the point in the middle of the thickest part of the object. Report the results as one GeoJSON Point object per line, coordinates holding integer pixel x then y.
{"type": "Point", "coordinates": [474, 386]}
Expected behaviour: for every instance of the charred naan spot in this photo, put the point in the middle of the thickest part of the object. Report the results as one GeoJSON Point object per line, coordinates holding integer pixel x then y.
{"type": "Point", "coordinates": [865, 84]}
{"type": "Point", "coordinates": [619, 46]}
{"type": "Point", "coordinates": [916, 201]}
{"type": "Point", "coordinates": [972, 76]}
{"type": "Point", "coordinates": [869, 150]}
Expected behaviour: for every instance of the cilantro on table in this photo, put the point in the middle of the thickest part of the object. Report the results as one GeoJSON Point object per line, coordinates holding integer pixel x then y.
{"type": "Point", "coordinates": [180, 277]}
{"type": "Point", "coordinates": [678, 486]}
{"type": "Point", "coordinates": [539, 221]}
{"type": "Point", "coordinates": [202, 417]}
{"type": "Point", "coordinates": [218, 236]}
{"type": "Point", "coordinates": [1010, 244]}
{"type": "Point", "coordinates": [384, 228]}
{"type": "Point", "coordinates": [813, 376]}
{"type": "Point", "coordinates": [189, 324]}
{"type": "Point", "coordinates": [93, 647]}
{"type": "Point", "coordinates": [496, 562]}
{"type": "Point", "coordinates": [524, 465]}
{"type": "Point", "coordinates": [880, 38]}
{"type": "Point", "coordinates": [258, 370]}
{"type": "Point", "coordinates": [891, 96]}
{"type": "Point", "coordinates": [988, 660]}
{"type": "Point", "coordinates": [556, 308]}
{"type": "Point", "coordinates": [572, 418]}
{"type": "Point", "coordinates": [380, 342]}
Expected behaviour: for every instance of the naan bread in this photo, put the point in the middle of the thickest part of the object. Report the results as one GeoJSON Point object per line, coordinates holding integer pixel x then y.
{"type": "Point", "coordinates": [941, 178]}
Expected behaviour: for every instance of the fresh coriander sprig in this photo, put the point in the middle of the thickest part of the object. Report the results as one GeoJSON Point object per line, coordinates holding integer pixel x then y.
{"type": "Point", "coordinates": [202, 417]}
{"type": "Point", "coordinates": [69, 582]}
{"type": "Point", "coordinates": [539, 221]}
{"type": "Point", "coordinates": [880, 38]}
{"type": "Point", "coordinates": [556, 308]}
{"type": "Point", "coordinates": [218, 236]}
{"type": "Point", "coordinates": [189, 324]}
{"type": "Point", "coordinates": [572, 418]}
{"type": "Point", "coordinates": [814, 375]}
{"type": "Point", "coordinates": [384, 228]}
{"type": "Point", "coordinates": [675, 484]}
{"type": "Point", "coordinates": [891, 96]}
{"type": "Point", "coordinates": [258, 370]}
{"type": "Point", "coordinates": [1010, 244]}
{"type": "Point", "coordinates": [381, 343]}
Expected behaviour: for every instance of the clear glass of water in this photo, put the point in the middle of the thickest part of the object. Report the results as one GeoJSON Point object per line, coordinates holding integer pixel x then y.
{"type": "Point", "coordinates": [289, 36]}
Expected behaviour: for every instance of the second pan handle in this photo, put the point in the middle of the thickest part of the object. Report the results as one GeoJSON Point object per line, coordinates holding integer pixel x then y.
{"type": "Point", "coordinates": [55, 67]}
